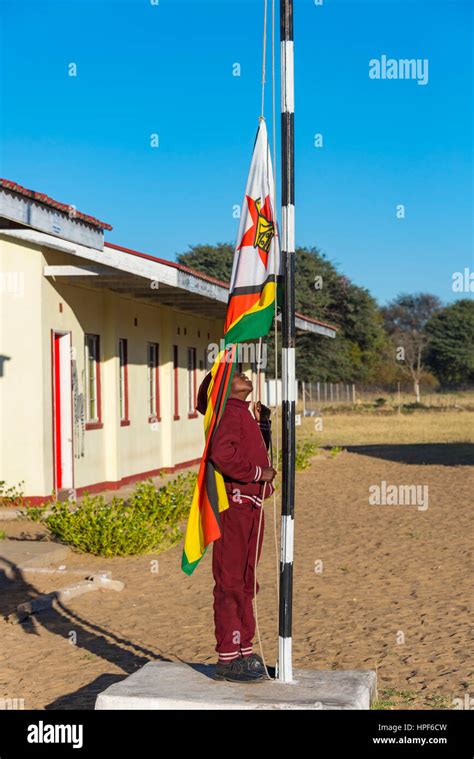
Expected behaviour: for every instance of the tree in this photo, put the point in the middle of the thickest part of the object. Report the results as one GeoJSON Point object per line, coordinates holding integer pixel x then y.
{"type": "Point", "coordinates": [451, 347]}
{"type": "Point", "coordinates": [215, 260]}
{"type": "Point", "coordinates": [322, 292]}
{"type": "Point", "coordinates": [406, 319]}
{"type": "Point", "coordinates": [361, 349]}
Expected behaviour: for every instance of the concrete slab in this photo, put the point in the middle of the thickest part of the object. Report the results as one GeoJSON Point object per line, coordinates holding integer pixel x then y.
{"type": "Point", "coordinates": [16, 555]}
{"type": "Point", "coordinates": [8, 513]}
{"type": "Point", "coordinates": [174, 685]}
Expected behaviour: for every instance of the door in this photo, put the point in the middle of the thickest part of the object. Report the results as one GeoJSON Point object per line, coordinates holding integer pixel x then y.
{"type": "Point", "coordinates": [62, 413]}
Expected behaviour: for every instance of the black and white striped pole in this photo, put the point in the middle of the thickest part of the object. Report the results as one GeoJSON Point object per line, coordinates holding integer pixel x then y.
{"type": "Point", "coordinates": [285, 671]}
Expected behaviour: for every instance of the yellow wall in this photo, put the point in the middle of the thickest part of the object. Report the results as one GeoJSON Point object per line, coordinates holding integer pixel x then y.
{"type": "Point", "coordinates": [113, 452]}
{"type": "Point", "coordinates": [25, 430]}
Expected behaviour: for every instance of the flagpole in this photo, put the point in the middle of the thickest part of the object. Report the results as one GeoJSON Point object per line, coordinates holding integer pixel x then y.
{"type": "Point", "coordinates": [285, 672]}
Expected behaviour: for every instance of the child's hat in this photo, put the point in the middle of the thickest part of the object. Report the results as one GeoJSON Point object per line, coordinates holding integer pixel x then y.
{"type": "Point", "coordinates": [202, 394]}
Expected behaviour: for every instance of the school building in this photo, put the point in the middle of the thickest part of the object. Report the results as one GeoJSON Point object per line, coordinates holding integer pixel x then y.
{"type": "Point", "coordinates": [102, 349]}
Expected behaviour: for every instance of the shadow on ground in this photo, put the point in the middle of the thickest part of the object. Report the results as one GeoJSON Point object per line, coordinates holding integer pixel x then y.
{"type": "Point", "coordinates": [91, 638]}
{"type": "Point", "coordinates": [441, 454]}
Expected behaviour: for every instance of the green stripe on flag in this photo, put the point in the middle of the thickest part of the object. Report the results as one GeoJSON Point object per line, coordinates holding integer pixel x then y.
{"type": "Point", "coordinates": [252, 326]}
{"type": "Point", "coordinates": [188, 567]}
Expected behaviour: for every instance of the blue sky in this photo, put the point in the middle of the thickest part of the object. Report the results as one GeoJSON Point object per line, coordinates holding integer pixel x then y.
{"type": "Point", "coordinates": [167, 69]}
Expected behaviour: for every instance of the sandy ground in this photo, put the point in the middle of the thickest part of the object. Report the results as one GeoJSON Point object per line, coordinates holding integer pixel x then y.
{"type": "Point", "coordinates": [393, 594]}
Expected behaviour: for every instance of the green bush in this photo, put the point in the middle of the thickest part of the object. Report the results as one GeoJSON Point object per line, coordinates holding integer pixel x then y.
{"type": "Point", "coordinates": [147, 521]}
{"type": "Point", "coordinates": [12, 496]}
{"type": "Point", "coordinates": [304, 453]}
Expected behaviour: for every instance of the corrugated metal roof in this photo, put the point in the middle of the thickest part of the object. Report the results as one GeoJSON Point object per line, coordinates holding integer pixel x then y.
{"type": "Point", "coordinates": [40, 197]}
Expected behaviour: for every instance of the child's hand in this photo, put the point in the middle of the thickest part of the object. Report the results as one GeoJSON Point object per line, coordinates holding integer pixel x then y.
{"type": "Point", "coordinates": [257, 409]}
{"type": "Point", "coordinates": [268, 474]}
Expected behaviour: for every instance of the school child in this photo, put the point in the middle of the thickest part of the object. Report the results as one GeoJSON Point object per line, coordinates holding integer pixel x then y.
{"type": "Point", "coordinates": [239, 451]}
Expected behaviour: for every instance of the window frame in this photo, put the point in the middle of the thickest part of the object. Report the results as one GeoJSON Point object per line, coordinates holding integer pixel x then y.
{"type": "Point", "coordinates": [192, 383]}
{"type": "Point", "coordinates": [176, 382]}
{"type": "Point", "coordinates": [123, 382]}
{"type": "Point", "coordinates": [94, 423]}
{"type": "Point", "coordinates": [153, 372]}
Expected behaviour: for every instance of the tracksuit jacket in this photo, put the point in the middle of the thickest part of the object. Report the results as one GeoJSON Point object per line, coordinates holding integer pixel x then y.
{"type": "Point", "coordinates": [239, 451]}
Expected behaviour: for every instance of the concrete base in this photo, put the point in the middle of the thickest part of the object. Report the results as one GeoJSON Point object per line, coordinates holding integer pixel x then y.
{"type": "Point", "coordinates": [16, 555]}
{"type": "Point", "coordinates": [173, 685]}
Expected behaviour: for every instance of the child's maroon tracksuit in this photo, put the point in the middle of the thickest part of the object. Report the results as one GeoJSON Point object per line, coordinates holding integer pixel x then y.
{"type": "Point", "coordinates": [238, 450]}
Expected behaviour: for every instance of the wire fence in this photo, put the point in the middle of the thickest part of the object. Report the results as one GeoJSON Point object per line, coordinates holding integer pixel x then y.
{"type": "Point", "coordinates": [313, 396]}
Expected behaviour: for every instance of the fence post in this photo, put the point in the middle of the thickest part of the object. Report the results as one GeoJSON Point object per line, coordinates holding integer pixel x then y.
{"type": "Point", "coordinates": [353, 394]}
{"type": "Point", "coordinates": [303, 384]}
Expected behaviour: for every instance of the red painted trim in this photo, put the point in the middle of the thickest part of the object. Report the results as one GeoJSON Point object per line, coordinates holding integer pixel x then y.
{"type": "Point", "coordinates": [53, 451]}
{"type": "Point", "coordinates": [125, 377]}
{"type": "Point", "coordinates": [99, 396]}
{"type": "Point", "coordinates": [193, 414]}
{"type": "Point", "coordinates": [175, 382]}
{"type": "Point", "coordinates": [57, 413]}
{"type": "Point", "coordinates": [37, 500]}
{"type": "Point", "coordinates": [316, 321]}
{"type": "Point", "coordinates": [156, 416]}
{"type": "Point", "coordinates": [73, 450]}
{"type": "Point", "coordinates": [126, 421]}
{"type": "Point", "coordinates": [157, 379]}
{"type": "Point", "coordinates": [195, 380]}
{"type": "Point", "coordinates": [40, 197]}
{"type": "Point", "coordinates": [201, 275]}
{"type": "Point", "coordinates": [172, 264]}
{"type": "Point", "coordinates": [98, 424]}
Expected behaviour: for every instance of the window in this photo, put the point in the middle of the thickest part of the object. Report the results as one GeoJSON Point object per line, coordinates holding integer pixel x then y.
{"type": "Point", "coordinates": [153, 383]}
{"type": "Point", "coordinates": [192, 413]}
{"type": "Point", "coordinates": [92, 382]}
{"type": "Point", "coordinates": [123, 381]}
{"type": "Point", "coordinates": [175, 381]}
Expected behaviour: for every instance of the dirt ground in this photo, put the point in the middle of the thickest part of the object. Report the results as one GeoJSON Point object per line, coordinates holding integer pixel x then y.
{"type": "Point", "coordinates": [385, 587]}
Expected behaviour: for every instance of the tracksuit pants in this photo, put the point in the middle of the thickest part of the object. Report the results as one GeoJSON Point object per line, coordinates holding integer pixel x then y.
{"type": "Point", "coordinates": [233, 567]}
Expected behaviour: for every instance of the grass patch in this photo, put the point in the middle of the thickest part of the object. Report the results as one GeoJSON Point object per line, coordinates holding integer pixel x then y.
{"type": "Point", "coordinates": [416, 426]}
{"type": "Point", "coordinates": [391, 698]}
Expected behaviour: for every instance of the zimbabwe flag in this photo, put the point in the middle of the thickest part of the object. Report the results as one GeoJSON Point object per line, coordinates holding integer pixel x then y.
{"type": "Point", "coordinates": [250, 312]}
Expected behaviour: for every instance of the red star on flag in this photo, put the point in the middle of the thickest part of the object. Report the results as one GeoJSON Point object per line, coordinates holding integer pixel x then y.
{"type": "Point", "coordinates": [248, 237]}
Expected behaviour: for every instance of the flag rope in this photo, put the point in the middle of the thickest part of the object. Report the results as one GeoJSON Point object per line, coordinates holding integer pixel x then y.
{"type": "Point", "coordinates": [276, 334]}
{"type": "Point", "coordinates": [264, 56]}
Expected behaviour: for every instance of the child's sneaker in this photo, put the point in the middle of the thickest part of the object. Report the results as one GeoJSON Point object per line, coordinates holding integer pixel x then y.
{"type": "Point", "coordinates": [237, 671]}
{"type": "Point", "coordinates": [255, 664]}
